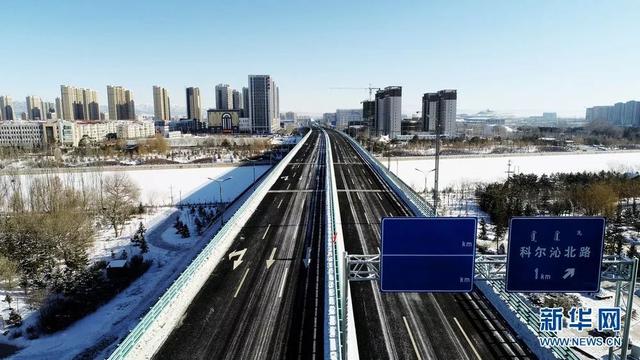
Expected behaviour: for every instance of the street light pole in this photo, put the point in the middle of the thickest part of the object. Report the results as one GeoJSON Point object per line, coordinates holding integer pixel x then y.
{"type": "Point", "coordinates": [220, 181]}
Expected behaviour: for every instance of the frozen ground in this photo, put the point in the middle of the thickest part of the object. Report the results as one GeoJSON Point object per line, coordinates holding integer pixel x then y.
{"type": "Point", "coordinates": [455, 171]}
{"type": "Point", "coordinates": [170, 253]}
{"type": "Point", "coordinates": [166, 186]}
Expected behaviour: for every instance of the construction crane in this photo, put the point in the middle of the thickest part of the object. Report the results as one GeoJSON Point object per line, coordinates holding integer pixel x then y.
{"type": "Point", "coordinates": [370, 88]}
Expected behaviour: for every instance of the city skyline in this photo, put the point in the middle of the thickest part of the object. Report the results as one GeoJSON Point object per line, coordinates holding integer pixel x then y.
{"type": "Point", "coordinates": [523, 58]}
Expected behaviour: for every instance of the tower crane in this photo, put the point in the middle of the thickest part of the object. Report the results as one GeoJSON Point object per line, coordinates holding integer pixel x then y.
{"type": "Point", "coordinates": [370, 88]}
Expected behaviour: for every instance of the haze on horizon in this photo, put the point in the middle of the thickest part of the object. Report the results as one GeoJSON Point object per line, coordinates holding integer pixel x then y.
{"type": "Point", "coordinates": [521, 57]}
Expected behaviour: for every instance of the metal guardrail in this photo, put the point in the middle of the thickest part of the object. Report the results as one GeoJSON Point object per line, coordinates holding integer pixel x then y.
{"type": "Point", "coordinates": [125, 347]}
{"type": "Point", "coordinates": [334, 298]}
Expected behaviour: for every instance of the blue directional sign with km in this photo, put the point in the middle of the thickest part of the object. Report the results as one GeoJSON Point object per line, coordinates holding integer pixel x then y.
{"type": "Point", "coordinates": [555, 254]}
{"type": "Point", "coordinates": [427, 254]}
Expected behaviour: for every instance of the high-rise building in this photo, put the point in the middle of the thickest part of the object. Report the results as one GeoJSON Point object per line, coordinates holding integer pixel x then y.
{"type": "Point", "coordinates": [121, 104]}
{"type": "Point", "coordinates": [245, 102]}
{"type": "Point", "coordinates": [34, 108]}
{"type": "Point", "coordinates": [440, 109]}
{"type": "Point", "coordinates": [369, 115]}
{"type": "Point", "coordinates": [620, 114]}
{"type": "Point", "coordinates": [194, 109]}
{"type": "Point", "coordinates": [237, 100]}
{"type": "Point", "coordinates": [58, 108]}
{"type": "Point", "coordinates": [224, 97]}
{"type": "Point", "coordinates": [346, 117]}
{"type": "Point", "coordinates": [49, 110]}
{"type": "Point", "coordinates": [6, 108]}
{"type": "Point", "coordinates": [389, 111]}
{"type": "Point", "coordinates": [263, 104]}
{"type": "Point", "coordinates": [79, 104]}
{"type": "Point", "coordinates": [161, 104]}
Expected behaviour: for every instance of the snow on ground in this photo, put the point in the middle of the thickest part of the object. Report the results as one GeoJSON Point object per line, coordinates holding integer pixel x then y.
{"type": "Point", "coordinates": [170, 252]}
{"type": "Point", "coordinates": [455, 171]}
{"type": "Point", "coordinates": [167, 185]}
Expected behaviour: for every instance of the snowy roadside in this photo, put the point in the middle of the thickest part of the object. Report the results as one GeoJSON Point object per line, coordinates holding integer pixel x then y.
{"type": "Point", "coordinates": [169, 252]}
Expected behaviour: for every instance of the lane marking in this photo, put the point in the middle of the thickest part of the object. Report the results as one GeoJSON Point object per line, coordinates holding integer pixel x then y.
{"type": "Point", "coordinates": [280, 203]}
{"type": "Point", "coordinates": [379, 197]}
{"type": "Point", "coordinates": [284, 278]}
{"type": "Point", "coordinates": [239, 254]}
{"type": "Point", "coordinates": [241, 282]}
{"type": "Point", "coordinates": [466, 337]}
{"type": "Point", "coordinates": [413, 341]}
{"type": "Point", "coordinates": [266, 231]}
{"type": "Point", "coordinates": [271, 260]}
{"type": "Point", "coordinates": [288, 186]}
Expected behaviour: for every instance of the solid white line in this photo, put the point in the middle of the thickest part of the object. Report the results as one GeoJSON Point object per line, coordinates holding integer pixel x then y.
{"type": "Point", "coordinates": [280, 203]}
{"type": "Point", "coordinates": [265, 232]}
{"type": "Point", "coordinates": [241, 282]}
{"type": "Point", "coordinates": [284, 278]}
{"type": "Point", "coordinates": [466, 337]}
{"type": "Point", "coordinates": [413, 342]}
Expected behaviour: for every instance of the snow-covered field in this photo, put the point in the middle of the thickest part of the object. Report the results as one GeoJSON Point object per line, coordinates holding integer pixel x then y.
{"type": "Point", "coordinates": [168, 186]}
{"type": "Point", "coordinates": [455, 171]}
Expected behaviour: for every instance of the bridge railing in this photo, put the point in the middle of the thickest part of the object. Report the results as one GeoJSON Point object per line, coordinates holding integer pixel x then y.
{"type": "Point", "coordinates": [156, 325]}
{"type": "Point", "coordinates": [334, 290]}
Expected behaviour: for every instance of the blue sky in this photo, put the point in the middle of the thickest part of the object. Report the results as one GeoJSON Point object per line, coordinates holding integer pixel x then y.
{"type": "Point", "coordinates": [520, 56]}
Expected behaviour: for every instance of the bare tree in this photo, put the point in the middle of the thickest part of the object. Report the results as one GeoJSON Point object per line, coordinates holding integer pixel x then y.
{"type": "Point", "coordinates": [121, 196]}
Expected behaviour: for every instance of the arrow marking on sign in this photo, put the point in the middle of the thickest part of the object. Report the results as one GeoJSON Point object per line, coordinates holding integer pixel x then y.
{"type": "Point", "coordinates": [239, 254]}
{"type": "Point", "coordinates": [570, 272]}
{"type": "Point", "coordinates": [271, 260]}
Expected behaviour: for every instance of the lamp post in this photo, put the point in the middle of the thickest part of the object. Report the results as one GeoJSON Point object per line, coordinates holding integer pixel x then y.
{"type": "Point", "coordinates": [220, 181]}
{"type": "Point", "coordinates": [253, 162]}
{"type": "Point", "coordinates": [425, 179]}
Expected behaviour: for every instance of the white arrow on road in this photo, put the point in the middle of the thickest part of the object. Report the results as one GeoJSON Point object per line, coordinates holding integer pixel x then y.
{"type": "Point", "coordinates": [570, 272]}
{"type": "Point", "coordinates": [307, 259]}
{"type": "Point", "coordinates": [271, 260]}
{"type": "Point", "coordinates": [239, 254]}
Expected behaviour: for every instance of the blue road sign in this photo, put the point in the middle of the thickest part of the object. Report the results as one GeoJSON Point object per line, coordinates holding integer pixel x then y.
{"type": "Point", "coordinates": [555, 254]}
{"type": "Point", "coordinates": [427, 254]}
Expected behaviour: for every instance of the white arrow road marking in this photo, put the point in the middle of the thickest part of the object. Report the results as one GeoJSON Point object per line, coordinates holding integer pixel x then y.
{"type": "Point", "coordinates": [413, 342]}
{"type": "Point", "coordinates": [284, 278]}
{"type": "Point", "coordinates": [466, 337]}
{"type": "Point", "coordinates": [266, 231]}
{"type": "Point", "coordinates": [307, 259]}
{"type": "Point", "coordinates": [270, 261]}
{"type": "Point", "coordinates": [241, 282]}
{"type": "Point", "coordinates": [239, 254]}
{"type": "Point", "coordinates": [570, 272]}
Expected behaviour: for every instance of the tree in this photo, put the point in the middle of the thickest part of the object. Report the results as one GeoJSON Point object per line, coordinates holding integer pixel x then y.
{"type": "Point", "coordinates": [139, 240]}
{"type": "Point", "coordinates": [120, 199]}
{"type": "Point", "coordinates": [499, 233]}
{"type": "Point", "coordinates": [8, 274]}
{"type": "Point", "coordinates": [483, 230]}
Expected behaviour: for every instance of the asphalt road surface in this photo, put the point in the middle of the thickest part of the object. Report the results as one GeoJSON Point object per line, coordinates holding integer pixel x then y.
{"type": "Point", "coordinates": [271, 304]}
{"type": "Point", "coordinates": [409, 325]}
